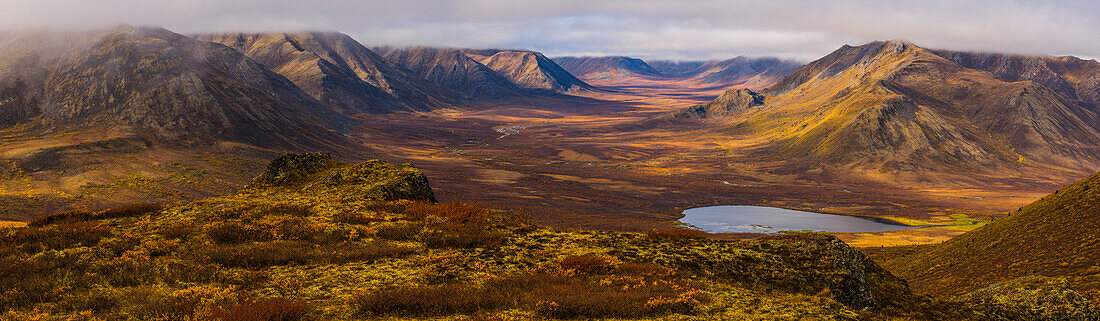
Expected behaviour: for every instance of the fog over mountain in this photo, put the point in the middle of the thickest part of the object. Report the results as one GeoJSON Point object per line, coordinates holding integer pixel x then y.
{"type": "Point", "coordinates": [649, 29]}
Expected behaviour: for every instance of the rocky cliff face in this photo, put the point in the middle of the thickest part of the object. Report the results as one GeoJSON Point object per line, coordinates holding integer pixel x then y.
{"type": "Point", "coordinates": [340, 72]}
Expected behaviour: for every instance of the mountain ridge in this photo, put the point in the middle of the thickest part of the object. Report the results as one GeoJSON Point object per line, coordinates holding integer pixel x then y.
{"type": "Point", "coordinates": [341, 72]}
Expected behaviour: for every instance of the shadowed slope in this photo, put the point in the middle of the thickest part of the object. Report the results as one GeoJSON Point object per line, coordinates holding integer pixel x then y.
{"type": "Point", "coordinates": [164, 85]}
{"type": "Point", "coordinates": [1058, 235]}
{"type": "Point", "coordinates": [340, 72]}
{"type": "Point", "coordinates": [1070, 76]}
{"type": "Point", "coordinates": [451, 68]}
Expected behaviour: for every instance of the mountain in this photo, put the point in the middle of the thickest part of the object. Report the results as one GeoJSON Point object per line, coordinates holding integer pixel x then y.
{"type": "Point", "coordinates": [163, 85]}
{"type": "Point", "coordinates": [600, 68]}
{"type": "Point", "coordinates": [730, 102]}
{"type": "Point", "coordinates": [451, 68]}
{"type": "Point", "coordinates": [1056, 236]}
{"type": "Point", "coordinates": [529, 69]}
{"type": "Point", "coordinates": [676, 68]}
{"type": "Point", "coordinates": [895, 106]}
{"type": "Point", "coordinates": [340, 72]}
{"type": "Point", "coordinates": [739, 71]}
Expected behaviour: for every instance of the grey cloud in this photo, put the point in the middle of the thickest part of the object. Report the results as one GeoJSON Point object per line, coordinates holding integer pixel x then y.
{"type": "Point", "coordinates": [651, 29]}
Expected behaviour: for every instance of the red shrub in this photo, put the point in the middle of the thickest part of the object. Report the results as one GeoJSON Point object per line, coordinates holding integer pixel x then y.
{"type": "Point", "coordinates": [265, 310]}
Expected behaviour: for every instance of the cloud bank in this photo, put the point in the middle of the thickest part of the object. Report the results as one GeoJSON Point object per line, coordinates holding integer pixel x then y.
{"type": "Point", "coordinates": [703, 29]}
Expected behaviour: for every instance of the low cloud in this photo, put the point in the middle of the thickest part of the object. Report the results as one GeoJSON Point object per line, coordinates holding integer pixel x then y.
{"type": "Point", "coordinates": [704, 29]}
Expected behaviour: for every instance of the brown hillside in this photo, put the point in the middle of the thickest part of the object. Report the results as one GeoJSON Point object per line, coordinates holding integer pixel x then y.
{"type": "Point", "coordinates": [1058, 235]}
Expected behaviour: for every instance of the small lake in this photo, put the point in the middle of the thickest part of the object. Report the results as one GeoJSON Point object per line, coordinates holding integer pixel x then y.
{"type": "Point", "coordinates": [762, 219]}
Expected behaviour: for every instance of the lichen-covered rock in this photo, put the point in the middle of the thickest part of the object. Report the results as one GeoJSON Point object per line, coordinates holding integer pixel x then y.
{"type": "Point", "coordinates": [291, 168]}
{"type": "Point", "coordinates": [381, 181]}
{"type": "Point", "coordinates": [1030, 298]}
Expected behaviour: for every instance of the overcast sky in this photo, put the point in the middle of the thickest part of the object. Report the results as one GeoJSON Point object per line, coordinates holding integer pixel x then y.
{"type": "Point", "coordinates": [681, 29]}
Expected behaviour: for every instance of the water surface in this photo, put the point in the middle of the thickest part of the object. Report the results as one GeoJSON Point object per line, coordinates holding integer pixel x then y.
{"type": "Point", "coordinates": [762, 219]}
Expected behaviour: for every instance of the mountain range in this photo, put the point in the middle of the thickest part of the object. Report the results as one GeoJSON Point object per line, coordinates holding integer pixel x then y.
{"type": "Point", "coordinates": [340, 72]}
{"type": "Point", "coordinates": [896, 106]}
{"type": "Point", "coordinates": [161, 84]}
{"type": "Point", "coordinates": [739, 71]}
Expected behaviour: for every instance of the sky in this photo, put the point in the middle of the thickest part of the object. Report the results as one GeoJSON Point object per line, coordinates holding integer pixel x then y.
{"type": "Point", "coordinates": [677, 30]}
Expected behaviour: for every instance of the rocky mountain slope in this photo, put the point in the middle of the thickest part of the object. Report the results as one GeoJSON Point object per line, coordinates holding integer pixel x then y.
{"type": "Point", "coordinates": [161, 84]}
{"type": "Point", "coordinates": [529, 69]}
{"type": "Point", "coordinates": [451, 68]}
{"type": "Point", "coordinates": [340, 72]}
{"type": "Point", "coordinates": [1072, 77]}
{"type": "Point", "coordinates": [1056, 236]}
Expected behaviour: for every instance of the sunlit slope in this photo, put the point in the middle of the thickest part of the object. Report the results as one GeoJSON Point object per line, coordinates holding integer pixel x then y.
{"type": "Point", "coordinates": [340, 72]}
{"type": "Point", "coordinates": [895, 106]}
{"type": "Point", "coordinates": [1058, 235]}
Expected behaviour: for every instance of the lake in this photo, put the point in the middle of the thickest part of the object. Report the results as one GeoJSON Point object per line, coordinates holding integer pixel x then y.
{"type": "Point", "coordinates": [762, 219]}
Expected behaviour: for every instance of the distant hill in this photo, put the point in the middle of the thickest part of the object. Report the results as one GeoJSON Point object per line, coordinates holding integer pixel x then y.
{"type": "Point", "coordinates": [163, 85]}
{"type": "Point", "coordinates": [895, 106]}
{"type": "Point", "coordinates": [1058, 235]}
{"type": "Point", "coordinates": [676, 68]}
{"type": "Point", "coordinates": [744, 70]}
{"type": "Point", "coordinates": [340, 72]}
{"type": "Point", "coordinates": [529, 69]}
{"type": "Point", "coordinates": [730, 102]}
{"type": "Point", "coordinates": [615, 67]}
{"type": "Point", "coordinates": [451, 68]}
{"type": "Point", "coordinates": [739, 71]}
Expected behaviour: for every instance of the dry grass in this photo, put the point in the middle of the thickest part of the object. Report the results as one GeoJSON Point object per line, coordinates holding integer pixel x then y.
{"type": "Point", "coordinates": [635, 290]}
{"type": "Point", "coordinates": [265, 310]}
{"type": "Point", "coordinates": [677, 234]}
{"type": "Point", "coordinates": [129, 210]}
